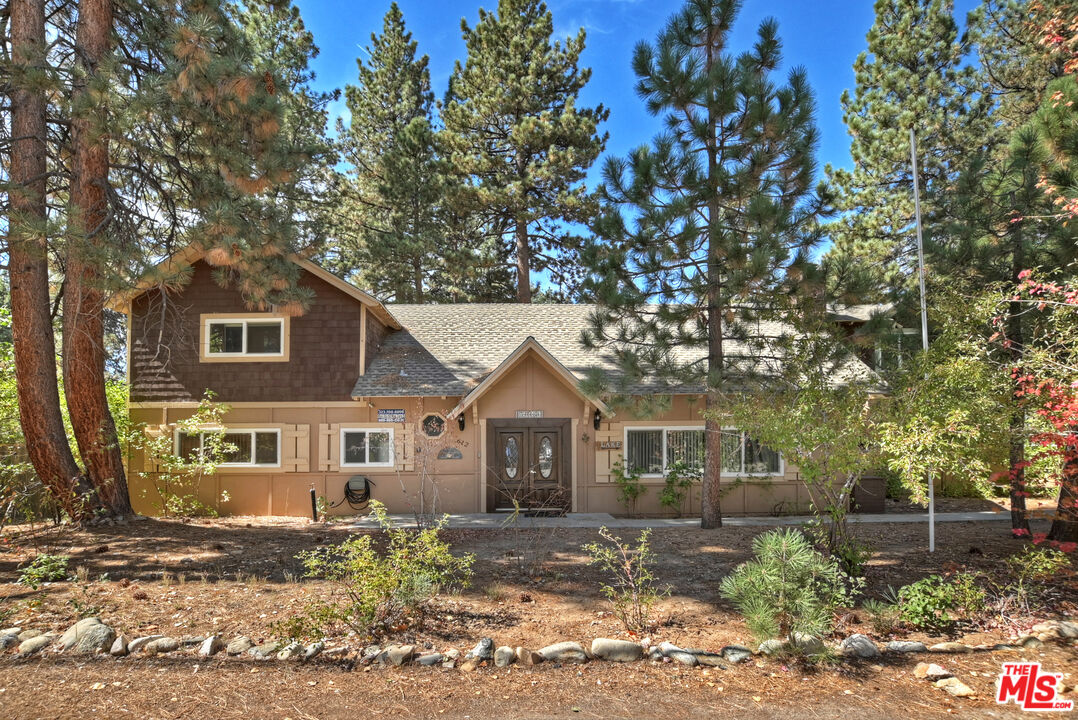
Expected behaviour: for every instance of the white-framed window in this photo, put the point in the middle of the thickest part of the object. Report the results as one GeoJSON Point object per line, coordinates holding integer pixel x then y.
{"type": "Point", "coordinates": [245, 337]}
{"type": "Point", "coordinates": [366, 447]}
{"type": "Point", "coordinates": [246, 447]}
{"type": "Point", "coordinates": [651, 451]}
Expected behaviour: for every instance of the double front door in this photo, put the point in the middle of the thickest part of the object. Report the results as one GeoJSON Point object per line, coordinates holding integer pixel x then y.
{"type": "Point", "coordinates": [528, 465]}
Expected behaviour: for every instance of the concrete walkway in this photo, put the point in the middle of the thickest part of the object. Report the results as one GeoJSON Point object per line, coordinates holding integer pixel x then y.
{"type": "Point", "coordinates": [480, 521]}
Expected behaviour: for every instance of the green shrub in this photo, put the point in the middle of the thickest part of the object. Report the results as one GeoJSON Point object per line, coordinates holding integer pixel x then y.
{"type": "Point", "coordinates": [1034, 563]}
{"type": "Point", "coordinates": [679, 479]}
{"type": "Point", "coordinates": [885, 614]}
{"type": "Point", "coordinates": [377, 592]}
{"type": "Point", "coordinates": [633, 591]}
{"type": "Point", "coordinates": [630, 489]}
{"type": "Point", "coordinates": [788, 588]}
{"type": "Point", "coordinates": [43, 568]}
{"type": "Point", "coordinates": [931, 603]}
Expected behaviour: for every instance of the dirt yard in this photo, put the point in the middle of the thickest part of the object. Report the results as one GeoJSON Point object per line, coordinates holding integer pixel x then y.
{"type": "Point", "coordinates": [531, 588]}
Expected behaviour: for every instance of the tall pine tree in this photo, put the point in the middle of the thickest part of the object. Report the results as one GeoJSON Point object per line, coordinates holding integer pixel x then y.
{"type": "Point", "coordinates": [706, 229]}
{"type": "Point", "coordinates": [911, 76]}
{"type": "Point", "coordinates": [514, 131]}
{"type": "Point", "coordinates": [391, 232]}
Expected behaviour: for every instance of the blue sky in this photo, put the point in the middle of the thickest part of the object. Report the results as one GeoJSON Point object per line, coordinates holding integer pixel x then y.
{"type": "Point", "coordinates": [825, 36]}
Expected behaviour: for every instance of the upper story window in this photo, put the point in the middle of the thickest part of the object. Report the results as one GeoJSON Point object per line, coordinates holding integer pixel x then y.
{"type": "Point", "coordinates": [652, 452]}
{"type": "Point", "coordinates": [261, 337]}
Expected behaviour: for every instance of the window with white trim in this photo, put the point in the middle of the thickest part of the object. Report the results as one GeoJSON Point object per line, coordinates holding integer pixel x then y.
{"type": "Point", "coordinates": [245, 337]}
{"type": "Point", "coordinates": [366, 447]}
{"type": "Point", "coordinates": [652, 451]}
{"type": "Point", "coordinates": [242, 447]}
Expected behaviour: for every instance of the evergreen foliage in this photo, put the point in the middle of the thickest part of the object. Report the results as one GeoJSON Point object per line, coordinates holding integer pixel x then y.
{"type": "Point", "coordinates": [788, 590]}
{"type": "Point", "coordinates": [709, 229]}
{"type": "Point", "coordinates": [519, 143]}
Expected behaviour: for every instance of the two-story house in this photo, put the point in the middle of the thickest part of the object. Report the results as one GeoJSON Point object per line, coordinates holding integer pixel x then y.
{"type": "Point", "coordinates": [471, 404]}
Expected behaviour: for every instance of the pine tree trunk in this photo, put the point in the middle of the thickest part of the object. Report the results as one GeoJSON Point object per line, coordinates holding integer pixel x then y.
{"type": "Point", "coordinates": [524, 278]}
{"type": "Point", "coordinates": [84, 300]}
{"type": "Point", "coordinates": [1065, 523]}
{"type": "Point", "coordinates": [711, 490]}
{"type": "Point", "coordinates": [31, 321]}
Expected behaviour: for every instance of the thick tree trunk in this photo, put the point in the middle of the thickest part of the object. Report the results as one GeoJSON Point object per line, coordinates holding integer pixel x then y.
{"type": "Point", "coordinates": [84, 300]}
{"type": "Point", "coordinates": [1065, 523]}
{"type": "Point", "coordinates": [31, 320]}
{"type": "Point", "coordinates": [524, 264]}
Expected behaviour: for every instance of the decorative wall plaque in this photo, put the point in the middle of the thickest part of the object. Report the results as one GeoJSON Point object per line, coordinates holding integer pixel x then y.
{"type": "Point", "coordinates": [433, 425]}
{"type": "Point", "coordinates": [450, 453]}
{"type": "Point", "coordinates": [610, 445]}
{"type": "Point", "coordinates": [525, 414]}
{"type": "Point", "coordinates": [395, 415]}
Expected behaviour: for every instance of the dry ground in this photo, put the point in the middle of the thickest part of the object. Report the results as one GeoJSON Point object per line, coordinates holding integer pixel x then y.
{"type": "Point", "coordinates": [237, 576]}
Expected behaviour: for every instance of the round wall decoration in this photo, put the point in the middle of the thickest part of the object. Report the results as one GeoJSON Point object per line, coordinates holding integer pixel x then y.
{"type": "Point", "coordinates": [433, 425]}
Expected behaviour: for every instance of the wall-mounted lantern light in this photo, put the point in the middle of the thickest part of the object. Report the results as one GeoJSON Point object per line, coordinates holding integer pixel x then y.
{"type": "Point", "coordinates": [598, 420]}
{"type": "Point", "coordinates": [460, 422]}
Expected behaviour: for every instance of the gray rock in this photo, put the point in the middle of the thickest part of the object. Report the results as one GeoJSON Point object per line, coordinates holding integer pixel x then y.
{"type": "Point", "coordinates": [291, 651]}
{"type": "Point", "coordinates": [9, 640]}
{"type": "Point", "coordinates": [239, 645]}
{"type": "Point", "coordinates": [616, 650]}
{"type": "Point", "coordinates": [1004, 647]}
{"type": "Point", "coordinates": [87, 636]}
{"type": "Point", "coordinates": [397, 655]}
{"type": "Point", "coordinates": [313, 650]}
{"type": "Point", "coordinates": [771, 647]}
{"type": "Point", "coordinates": [955, 687]}
{"type": "Point", "coordinates": [192, 640]}
{"type": "Point", "coordinates": [265, 651]}
{"type": "Point", "coordinates": [161, 646]}
{"type": "Point", "coordinates": [504, 656]}
{"type": "Point", "coordinates": [211, 646]}
{"type": "Point", "coordinates": [13, 630]}
{"type": "Point", "coordinates": [906, 646]}
{"type": "Point", "coordinates": [566, 652]}
{"type": "Point", "coordinates": [861, 646]}
{"type": "Point", "coordinates": [668, 647]}
{"type": "Point", "coordinates": [138, 643]}
{"type": "Point", "coordinates": [430, 659]}
{"type": "Point", "coordinates": [1031, 643]}
{"type": "Point", "coordinates": [736, 654]}
{"type": "Point", "coordinates": [484, 649]}
{"type": "Point", "coordinates": [451, 657]}
{"type": "Point", "coordinates": [685, 658]}
{"type": "Point", "coordinates": [1068, 629]}
{"type": "Point", "coordinates": [34, 644]}
{"type": "Point", "coordinates": [710, 659]}
{"type": "Point", "coordinates": [119, 646]}
{"type": "Point", "coordinates": [807, 644]}
{"type": "Point", "coordinates": [27, 634]}
{"type": "Point", "coordinates": [950, 647]}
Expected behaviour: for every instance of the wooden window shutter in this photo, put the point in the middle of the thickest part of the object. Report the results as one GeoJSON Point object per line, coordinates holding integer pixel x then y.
{"type": "Point", "coordinates": [404, 448]}
{"type": "Point", "coordinates": [296, 448]}
{"type": "Point", "coordinates": [329, 447]}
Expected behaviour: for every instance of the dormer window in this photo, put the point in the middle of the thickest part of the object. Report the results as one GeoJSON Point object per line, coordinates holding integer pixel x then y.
{"type": "Point", "coordinates": [254, 337]}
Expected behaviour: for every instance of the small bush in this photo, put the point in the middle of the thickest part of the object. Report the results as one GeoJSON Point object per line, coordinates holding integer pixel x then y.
{"type": "Point", "coordinates": [630, 489]}
{"type": "Point", "coordinates": [1037, 563]}
{"type": "Point", "coordinates": [789, 588]}
{"type": "Point", "coordinates": [885, 614]}
{"type": "Point", "coordinates": [44, 568]}
{"type": "Point", "coordinates": [931, 603]}
{"type": "Point", "coordinates": [376, 593]}
{"type": "Point", "coordinates": [679, 479]}
{"type": "Point", "coordinates": [633, 591]}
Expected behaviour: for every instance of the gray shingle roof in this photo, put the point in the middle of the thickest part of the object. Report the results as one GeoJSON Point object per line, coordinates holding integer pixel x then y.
{"type": "Point", "coordinates": [449, 349]}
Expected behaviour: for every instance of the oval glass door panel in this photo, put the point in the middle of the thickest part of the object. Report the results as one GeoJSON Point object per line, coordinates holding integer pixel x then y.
{"type": "Point", "coordinates": [546, 457]}
{"type": "Point", "coordinates": [512, 457]}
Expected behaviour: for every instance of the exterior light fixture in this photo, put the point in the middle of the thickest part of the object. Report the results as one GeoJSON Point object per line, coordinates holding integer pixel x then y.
{"type": "Point", "coordinates": [460, 422]}
{"type": "Point", "coordinates": [598, 420]}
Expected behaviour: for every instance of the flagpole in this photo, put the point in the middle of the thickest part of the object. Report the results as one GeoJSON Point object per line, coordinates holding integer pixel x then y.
{"type": "Point", "coordinates": [924, 322]}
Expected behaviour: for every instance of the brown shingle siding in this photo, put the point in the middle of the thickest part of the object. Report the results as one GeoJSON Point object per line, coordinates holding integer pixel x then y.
{"type": "Point", "coordinates": [323, 352]}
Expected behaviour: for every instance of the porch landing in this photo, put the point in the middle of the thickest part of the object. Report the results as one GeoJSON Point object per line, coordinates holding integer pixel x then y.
{"type": "Point", "coordinates": [594, 520]}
